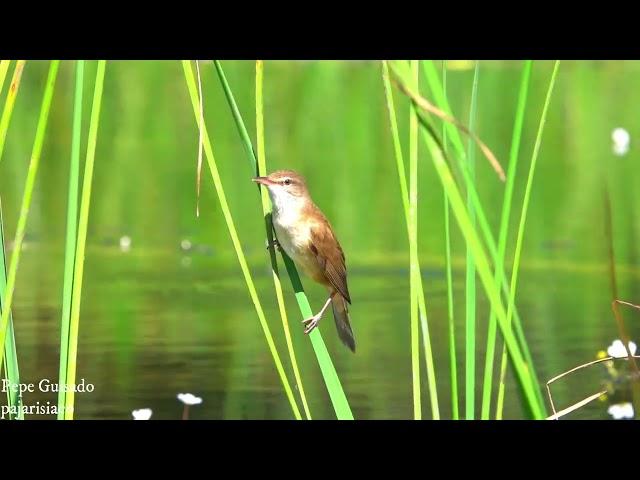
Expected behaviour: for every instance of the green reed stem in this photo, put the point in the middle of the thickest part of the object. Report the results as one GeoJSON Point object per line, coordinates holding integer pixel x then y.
{"type": "Point", "coordinates": [26, 198]}
{"type": "Point", "coordinates": [520, 237]}
{"type": "Point", "coordinates": [4, 67]}
{"type": "Point", "coordinates": [504, 229]}
{"type": "Point", "coordinates": [422, 308]}
{"type": "Point", "coordinates": [193, 93]}
{"type": "Point", "coordinates": [83, 223]}
{"type": "Point", "coordinates": [72, 230]}
{"type": "Point", "coordinates": [523, 371]}
{"type": "Point", "coordinates": [329, 374]}
{"type": "Point", "coordinates": [266, 211]}
{"type": "Point", "coordinates": [413, 250]}
{"type": "Point", "coordinates": [12, 373]}
{"type": "Point", "coordinates": [453, 133]}
{"type": "Point", "coordinates": [453, 366]}
{"type": "Point", "coordinates": [470, 281]}
{"type": "Point", "coordinates": [10, 102]}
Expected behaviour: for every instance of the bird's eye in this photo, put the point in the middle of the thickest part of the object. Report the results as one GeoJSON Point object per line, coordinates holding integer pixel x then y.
{"type": "Point", "coordinates": [287, 181]}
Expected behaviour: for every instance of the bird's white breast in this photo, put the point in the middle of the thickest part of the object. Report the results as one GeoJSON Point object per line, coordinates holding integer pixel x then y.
{"type": "Point", "coordinates": [294, 234]}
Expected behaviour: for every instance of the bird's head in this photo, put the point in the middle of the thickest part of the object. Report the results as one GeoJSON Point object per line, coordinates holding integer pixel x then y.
{"type": "Point", "coordinates": [285, 186]}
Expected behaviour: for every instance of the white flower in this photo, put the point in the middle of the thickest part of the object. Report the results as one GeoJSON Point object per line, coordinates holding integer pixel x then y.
{"type": "Point", "coordinates": [620, 138]}
{"type": "Point", "coordinates": [185, 244]}
{"type": "Point", "coordinates": [142, 414]}
{"type": "Point", "coordinates": [125, 243]}
{"type": "Point", "coordinates": [617, 350]}
{"type": "Point", "coordinates": [621, 411]}
{"type": "Point", "coordinates": [189, 399]}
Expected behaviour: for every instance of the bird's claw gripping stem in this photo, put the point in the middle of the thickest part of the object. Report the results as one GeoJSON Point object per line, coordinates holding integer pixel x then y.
{"type": "Point", "coordinates": [311, 323]}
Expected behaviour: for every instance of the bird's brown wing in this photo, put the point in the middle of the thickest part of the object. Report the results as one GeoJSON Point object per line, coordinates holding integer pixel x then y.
{"type": "Point", "coordinates": [328, 252]}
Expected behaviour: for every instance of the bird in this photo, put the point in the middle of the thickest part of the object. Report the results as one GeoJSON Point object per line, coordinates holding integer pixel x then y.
{"type": "Point", "coordinates": [305, 234]}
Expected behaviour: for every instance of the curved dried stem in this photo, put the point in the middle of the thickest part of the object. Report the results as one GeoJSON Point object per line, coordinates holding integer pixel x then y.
{"type": "Point", "coordinates": [556, 414]}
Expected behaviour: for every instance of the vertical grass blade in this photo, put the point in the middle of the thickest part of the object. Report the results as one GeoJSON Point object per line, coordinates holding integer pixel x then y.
{"type": "Point", "coordinates": [504, 228]}
{"type": "Point", "coordinates": [520, 237]}
{"type": "Point", "coordinates": [523, 371]}
{"type": "Point", "coordinates": [413, 250]}
{"type": "Point", "coordinates": [470, 281]}
{"type": "Point", "coordinates": [266, 211]}
{"type": "Point", "coordinates": [441, 100]}
{"type": "Point", "coordinates": [208, 150]}
{"type": "Point", "coordinates": [12, 372]}
{"type": "Point", "coordinates": [26, 200]}
{"type": "Point", "coordinates": [422, 308]}
{"type": "Point", "coordinates": [4, 67]}
{"type": "Point", "coordinates": [453, 367]}
{"type": "Point", "coordinates": [72, 230]}
{"type": "Point", "coordinates": [9, 102]}
{"type": "Point", "coordinates": [329, 374]}
{"type": "Point", "coordinates": [83, 223]}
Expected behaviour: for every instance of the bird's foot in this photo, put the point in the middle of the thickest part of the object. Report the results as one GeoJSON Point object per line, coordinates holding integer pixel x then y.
{"type": "Point", "coordinates": [275, 243]}
{"type": "Point", "coordinates": [311, 323]}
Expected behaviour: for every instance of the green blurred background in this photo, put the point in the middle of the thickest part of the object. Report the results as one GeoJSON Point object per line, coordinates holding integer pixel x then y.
{"type": "Point", "coordinates": [159, 318]}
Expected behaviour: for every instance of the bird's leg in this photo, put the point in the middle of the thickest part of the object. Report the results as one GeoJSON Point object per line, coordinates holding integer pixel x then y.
{"type": "Point", "coordinates": [312, 322]}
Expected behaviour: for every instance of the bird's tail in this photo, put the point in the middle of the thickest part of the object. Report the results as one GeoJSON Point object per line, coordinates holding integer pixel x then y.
{"type": "Point", "coordinates": [341, 316]}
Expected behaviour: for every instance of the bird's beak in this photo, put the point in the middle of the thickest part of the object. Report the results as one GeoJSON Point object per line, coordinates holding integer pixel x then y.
{"type": "Point", "coordinates": [263, 180]}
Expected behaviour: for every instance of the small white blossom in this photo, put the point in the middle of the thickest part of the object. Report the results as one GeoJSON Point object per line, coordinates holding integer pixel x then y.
{"type": "Point", "coordinates": [621, 411]}
{"type": "Point", "coordinates": [189, 399]}
{"type": "Point", "coordinates": [142, 414]}
{"type": "Point", "coordinates": [185, 244]}
{"type": "Point", "coordinates": [617, 350]}
{"type": "Point", "coordinates": [125, 243]}
{"type": "Point", "coordinates": [620, 138]}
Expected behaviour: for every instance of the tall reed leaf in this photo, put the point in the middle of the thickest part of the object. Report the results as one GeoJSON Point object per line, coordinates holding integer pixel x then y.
{"type": "Point", "coordinates": [208, 150]}
{"type": "Point", "coordinates": [329, 374]}
{"type": "Point", "coordinates": [453, 367]}
{"type": "Point", "coordinates": [520, 237]}
{"type": "Point", "coordinates": [83, 223]}
{"type": "Point", "coordinates": [422, 308]}
{"type": "Point", "coordinates": [72, 230]}
{"type": "Point", "coordinates": [4, 66]}
{"type": "Point", "coordinates": [523, 371]}
{"type": "Point", "coordinates": [12, 372]}
{"type": "Point", "coordinates": [9, 102]}
{"type": "Point", "coordinates": [413, 248]}
{"type": "Point", "coordinates": [470, 283]}
{"type": "Point", "coordinates": [266, 211]}
{"type": "Point", "coordinates": [26, 199]}
{"type": "Point", "coordinates": [504, 228]}
{"type": "Point", "coordinates": [441, 100]}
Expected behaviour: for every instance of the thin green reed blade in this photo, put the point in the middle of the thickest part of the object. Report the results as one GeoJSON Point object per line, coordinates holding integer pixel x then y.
{"type": "Point", "coordinates": [4, 67]}
{"type": "Point", "coordinates": [9, 102]}
{"type": "Point", "coordinates": [453, 367]}
{"type": "Point", "coordinates": [520, 237]}
{"type": "Point", "coordinates": [26, 200]}
{"type": "Point", "coordinates": [413, 249]}
{"type": "Point", "coordinates": [72, 230]}
{"type": "Point", "coordinates": [470, 284]}
{"type": "Point", "coordinates": [266, 211]}
{"type": "Point", "coordinates": [522, 369]}
{"type": "Point", "coordinates": [193, 94]}
{"type": "Point", "coordinates": [83, 223]}
{"type": "Point", "coordinates": [329, 374]}
{"type": "Point", "coordinates": [14, 401]}
{"type": "Point", "coordinates": [504, 229]}
{"type": "Point", "coordinates": [404, 192]}
{"type": "Point", "coordinates": [441, 101]}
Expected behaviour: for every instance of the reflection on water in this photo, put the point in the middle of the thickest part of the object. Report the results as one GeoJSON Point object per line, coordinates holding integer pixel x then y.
{"type": "Point", "coordinates": [164, 306]}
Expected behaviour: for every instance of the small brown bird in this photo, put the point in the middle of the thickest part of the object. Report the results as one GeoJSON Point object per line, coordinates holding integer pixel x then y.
{"type": "Point", "coordinates": [306, 235]}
